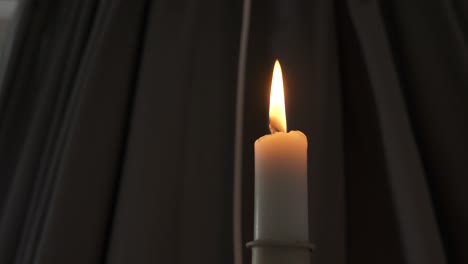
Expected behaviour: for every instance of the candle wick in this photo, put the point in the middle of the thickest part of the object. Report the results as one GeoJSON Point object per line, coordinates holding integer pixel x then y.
{"type": "Point", "coordinates": [272, 129]}
{"type": "Point", "coordinates": [275, 126]}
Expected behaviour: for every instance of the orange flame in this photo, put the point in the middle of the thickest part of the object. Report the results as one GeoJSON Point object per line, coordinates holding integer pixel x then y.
{"type": "Point", "coordinates": [277, 108]}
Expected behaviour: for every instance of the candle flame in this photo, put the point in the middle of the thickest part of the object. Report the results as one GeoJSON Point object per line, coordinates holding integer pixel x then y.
{"type": "Point", "coordinates": [277, 108]}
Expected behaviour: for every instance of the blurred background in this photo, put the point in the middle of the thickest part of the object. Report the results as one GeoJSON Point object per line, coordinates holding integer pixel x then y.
{"type": "Point", "coordinates": [127, 127]}
{"type": "Point", "coordinates": [7, 8]}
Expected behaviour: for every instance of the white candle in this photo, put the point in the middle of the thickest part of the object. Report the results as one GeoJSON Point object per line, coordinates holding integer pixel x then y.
{"type": "Point", "coordinates": [281, 211]}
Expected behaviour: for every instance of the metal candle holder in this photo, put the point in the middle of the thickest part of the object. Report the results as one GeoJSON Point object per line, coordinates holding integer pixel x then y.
{"type": "Point", "coordinates": [280, 252]}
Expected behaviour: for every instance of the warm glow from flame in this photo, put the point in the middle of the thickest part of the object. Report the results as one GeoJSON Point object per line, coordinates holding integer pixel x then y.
{"type": "Point", "coordinates": [277, 109]}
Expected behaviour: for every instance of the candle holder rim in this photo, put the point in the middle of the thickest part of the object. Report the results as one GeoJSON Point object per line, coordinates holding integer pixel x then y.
{"type": "Point", "coordinates": [278, 243]}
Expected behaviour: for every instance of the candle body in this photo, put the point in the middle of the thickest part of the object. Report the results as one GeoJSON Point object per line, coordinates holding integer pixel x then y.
{"type": "Point", "coordinates": [281, 208]}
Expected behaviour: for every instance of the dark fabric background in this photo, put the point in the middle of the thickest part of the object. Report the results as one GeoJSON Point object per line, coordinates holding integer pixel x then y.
{"type": "Point", "coordinates": [118, 140]}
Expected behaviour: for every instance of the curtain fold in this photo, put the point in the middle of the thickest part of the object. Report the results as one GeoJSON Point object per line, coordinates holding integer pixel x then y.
{"type": "Point", "coordinates": [119, 123]}
{"type": "Point", "coordinates": [175, 199]}
{"type": "Point", "coordinates": [431, 56]}
{"type": "Point", "coordinates": [32, 111]}
{"type": "Point", "coordinates": [408, 186]}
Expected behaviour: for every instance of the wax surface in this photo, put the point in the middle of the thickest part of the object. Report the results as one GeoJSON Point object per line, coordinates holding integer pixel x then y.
{"type": "Point", "coordinates": [281, 211]}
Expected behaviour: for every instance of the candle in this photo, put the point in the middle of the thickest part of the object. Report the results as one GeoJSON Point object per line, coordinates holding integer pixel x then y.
{"type": "Point", "coordinates": [281, 211]}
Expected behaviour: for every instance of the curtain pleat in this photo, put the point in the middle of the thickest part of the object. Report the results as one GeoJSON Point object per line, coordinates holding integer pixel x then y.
{"type": "Point", "coordinates": [37, 100]}
{"type": "Point", "coordinates": [408, 186]}
{"type": "Point", "coordinates": [97, 132]}
{"type": "Point", "coordinates": [73, 47]}
{"type": "Point", "coordinates": [175, 198]}
{"type": "Point", "coordinates": [431, 56]}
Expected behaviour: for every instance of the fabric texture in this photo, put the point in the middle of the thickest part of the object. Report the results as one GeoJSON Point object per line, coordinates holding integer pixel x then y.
{"type": "Point", "coordinates": [127, 128]}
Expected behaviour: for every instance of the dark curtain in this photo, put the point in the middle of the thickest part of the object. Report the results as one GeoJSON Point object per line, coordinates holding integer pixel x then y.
{"type": "Point", "coordinates": [127, 128]}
